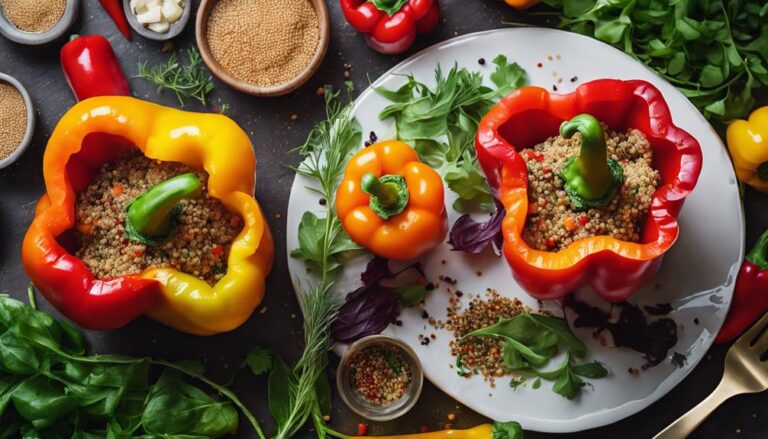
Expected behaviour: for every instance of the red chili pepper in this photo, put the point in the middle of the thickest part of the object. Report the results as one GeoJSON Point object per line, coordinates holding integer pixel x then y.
{"type": "Point", "coordinates": [390, 26]}
{"type": "Point", "coordinates": [750, 296]}
{"type": "Point", "coordinates": [362, 429]}
{"type": "Point", "coordinates": [92, 69]}
{"type": "Point", "coordinates": [115, 11]}
{"type": "Point", "coordinates": [217, 250]}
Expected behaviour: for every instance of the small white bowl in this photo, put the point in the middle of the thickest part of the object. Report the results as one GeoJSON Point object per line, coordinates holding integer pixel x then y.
{"type": "Point", "coordinates": [37, 38]}
{"type": "Point", "coordinates": [176, 27]}
{"type": "Point", "coordinates": [30, 121]}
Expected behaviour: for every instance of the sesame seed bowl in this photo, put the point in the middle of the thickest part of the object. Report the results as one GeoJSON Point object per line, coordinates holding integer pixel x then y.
{"type": "Point", "coordinates": [33, 38]}
{"type": "Point", "coordinates": [259, 45]}
{"type": "Point", "coordinates": [30, 125]}
{"type": "Point", "coordinates": [367, 362]}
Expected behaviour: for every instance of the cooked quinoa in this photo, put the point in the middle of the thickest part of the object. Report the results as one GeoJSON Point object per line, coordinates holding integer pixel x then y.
{"type": "Point", "coordinates": [380, 374]}
{"type": "Point", "coordinates": [480, 355]}
{"type": "Point", "coordinates": [198, 245]}
{"type": "Point", "coordinates": [552, 225]}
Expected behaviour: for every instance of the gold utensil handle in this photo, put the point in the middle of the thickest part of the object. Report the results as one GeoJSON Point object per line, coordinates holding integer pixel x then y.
{"type": "Point", "coordinates": [685, 424]}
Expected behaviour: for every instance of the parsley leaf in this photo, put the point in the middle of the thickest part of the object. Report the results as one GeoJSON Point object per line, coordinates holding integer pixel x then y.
{"type": "Point", "coordinates": [259, 360]}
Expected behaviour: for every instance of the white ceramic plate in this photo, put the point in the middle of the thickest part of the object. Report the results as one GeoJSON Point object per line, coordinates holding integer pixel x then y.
{"type": "Point", "coordinates": [696, 277]}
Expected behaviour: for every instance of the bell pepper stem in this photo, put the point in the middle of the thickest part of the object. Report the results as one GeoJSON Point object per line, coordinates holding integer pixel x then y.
{"type": "Point", "coordinates": [759, 253]}
{"type": "Point", "coordinates": [149, 217]}
{"type": "Point", "coordinates": [389, 194]}
{"type": "Point", "coordinates": [591, 178]}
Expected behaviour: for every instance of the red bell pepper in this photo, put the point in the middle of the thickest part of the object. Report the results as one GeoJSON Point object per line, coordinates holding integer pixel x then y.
{"type": "Point", "coordinates": [614, 268]}
{"type": "Point", "coordinates": [92, 69]}
{"type": "Point", "coordinates": [114, 9]}
{"type": "Point", "coordinates": [750, 295]}
{"type": "Point", "coordinates": [390, 26]}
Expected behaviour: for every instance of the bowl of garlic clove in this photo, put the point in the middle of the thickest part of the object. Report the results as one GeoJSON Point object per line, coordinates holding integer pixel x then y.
{"type": "Point", "coordinates": [158, 20]}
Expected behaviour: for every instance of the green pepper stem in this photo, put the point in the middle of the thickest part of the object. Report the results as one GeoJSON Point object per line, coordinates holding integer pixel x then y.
{"type": "Point", "coordinates": [149, 216]}
{"type": "Point", "coordinates": [588, 174]}
{"type": "Point", "coordinates": [759, 253]}
{"type": "Point", "coordinates": [384, 192]}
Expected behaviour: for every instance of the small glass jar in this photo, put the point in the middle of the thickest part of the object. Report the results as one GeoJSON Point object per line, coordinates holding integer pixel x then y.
{"type": "Point", "coordinates": [357, 403]}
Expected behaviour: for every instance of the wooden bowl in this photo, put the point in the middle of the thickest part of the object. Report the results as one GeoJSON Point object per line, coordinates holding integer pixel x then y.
{"type": "Point", "coordinates": [201, 33]}
{"type": "Point", "coordinates": [145, 32]}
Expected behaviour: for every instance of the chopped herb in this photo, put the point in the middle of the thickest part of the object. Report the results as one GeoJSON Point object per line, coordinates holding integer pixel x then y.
{"type": "Point", "coordinates": [190, 80]}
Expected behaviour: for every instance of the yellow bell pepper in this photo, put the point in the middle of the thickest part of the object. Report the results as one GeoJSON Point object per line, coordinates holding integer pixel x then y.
{"type": "Point", "coordinates": [748, 144]}
{"type": "Point", "coordinates": [99, 130]}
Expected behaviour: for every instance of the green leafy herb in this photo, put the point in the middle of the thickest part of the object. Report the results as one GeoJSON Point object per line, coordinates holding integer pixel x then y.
{"type": "Point", "coordinates": [530, 341]}
{"type": "Point", "coordinates": [714, 51]}
{"type": "Point", "coordinates": [514, 383]}
{"type": "Point", "coordinates": [536, 383]}
{"type": "Point", "coordinates": [50, 388]}
{"type": "Point", "coordinates": [507, 430]}
{"type": "Point", "coordinates": [259, 360]}
{"type": "Point", "coordinates": [460, 370]}
{"type": "Point", "coordinates": [190, 80]}
{"type": "Point", "coordinates": [411, 295]}
{"type": "Point", "coordinates": [440, 122]}
{"type": "Point", "coordinates": [326, 151]}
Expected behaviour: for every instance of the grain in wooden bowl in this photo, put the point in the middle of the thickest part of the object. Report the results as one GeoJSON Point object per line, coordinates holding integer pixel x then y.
{"type": "Point", "coordinates": [263, 47]}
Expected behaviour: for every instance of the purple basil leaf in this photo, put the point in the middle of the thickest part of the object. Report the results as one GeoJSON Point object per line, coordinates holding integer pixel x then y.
{"type": "Point", "coordinates": [376, 270]}
{"type": "Point", "coordinates": [367, 311]}
{"type": "Point", "coordinates": [469, 236]}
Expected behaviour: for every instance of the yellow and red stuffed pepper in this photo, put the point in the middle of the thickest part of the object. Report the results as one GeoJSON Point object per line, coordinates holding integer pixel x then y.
{"type": "Point", "coordinates": [202, 141]}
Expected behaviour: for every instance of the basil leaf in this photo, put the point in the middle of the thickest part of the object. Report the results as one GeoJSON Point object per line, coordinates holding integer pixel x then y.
{"type": "Point", "coordinates": [536, 384]}
{"type": "Point", "coordinates": [411, 295]}
{"type": "Point", "coordinates": [281, 392]}
{"type": "Point", "coordinates": [567, 384]}
{"type": "Point", "coordinates": [43, 401]}
{"type": "Point", "coordinates": [311, 236]}
{"type": "Point", "coordinates": [560, 327]}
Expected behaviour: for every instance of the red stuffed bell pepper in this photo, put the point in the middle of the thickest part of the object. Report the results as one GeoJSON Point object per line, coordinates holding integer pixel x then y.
{"type": "Point", "coordinates": [390, 26]}
{"type": "Point", "coordinates": [614, 268]}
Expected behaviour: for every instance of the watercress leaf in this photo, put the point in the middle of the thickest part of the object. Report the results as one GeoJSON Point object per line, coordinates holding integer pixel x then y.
{"type": "Point", "coordinates": [259, 360]}
{"type": "Point", "coordinates": [560, 327]}
{"type": "Point", "coordinates": [593, 370]}
{"type": "Point", "coordinates": [471, 187]}
{"type": "Point", "coordinates": [281, 391]}
{"type": "Point", "coordinates": [411, 295]}
{"type": "Point", "coordinates": [507, 430]}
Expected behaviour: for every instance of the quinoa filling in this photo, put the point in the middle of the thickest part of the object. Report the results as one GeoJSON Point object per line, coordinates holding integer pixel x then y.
{"type": "Point", "coordinates": [380, 374]}
{"type": "Point", "coordinates": [198, 245]}
{"type": "Point", "coordinates": [552, 224]}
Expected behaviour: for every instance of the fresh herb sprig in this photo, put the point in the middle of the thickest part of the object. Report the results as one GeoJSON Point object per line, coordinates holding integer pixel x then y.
{"type": "Point", "coordinates": [321, 242]}
{"type": "Point", "coordinates": [49, 387]}
{"type": "Point", "coordinates": [714, 51]}
{"type": "Point", "coordinates": [187, 81]}
{"type": "Point", "coordinates": [441, 121]}
{"type": "Point", "coordinates": [530, 341]}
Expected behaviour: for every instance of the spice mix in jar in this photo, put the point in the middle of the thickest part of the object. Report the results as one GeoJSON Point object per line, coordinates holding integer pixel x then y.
{"type": "Point", "coordinates": [263, 42]}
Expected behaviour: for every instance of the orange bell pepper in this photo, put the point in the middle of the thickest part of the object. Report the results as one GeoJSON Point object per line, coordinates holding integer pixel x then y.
{"type": "Point", "coordinates": [391, 203]}
{"type": "Point", "coordinates": [521, 4]}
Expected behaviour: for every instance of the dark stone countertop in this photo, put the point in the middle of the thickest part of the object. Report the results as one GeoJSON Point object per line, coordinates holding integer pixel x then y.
{"type": "Point", "coordinates": [273, 133]}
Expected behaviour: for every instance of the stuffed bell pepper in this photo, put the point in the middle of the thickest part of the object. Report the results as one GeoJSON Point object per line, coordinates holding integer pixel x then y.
{"type": "Point", "coordinates": [157, 218]}
{"type": "Point", "coordinates": [391, 203]}
{"type": "Point", "coordinates": [592, 183]}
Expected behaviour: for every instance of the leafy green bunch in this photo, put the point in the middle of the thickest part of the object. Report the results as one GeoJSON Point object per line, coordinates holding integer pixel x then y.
{"type": "Point", "coordinates": [49, 388]}
{"type": "Point", "coordinates": [190, 80]}
{"type": "Point", "coordinates": [530, 341]}
{"type": "Point", "coordinates": [714, 51]}
{"type": "Point", "coordinates": [441, 121]}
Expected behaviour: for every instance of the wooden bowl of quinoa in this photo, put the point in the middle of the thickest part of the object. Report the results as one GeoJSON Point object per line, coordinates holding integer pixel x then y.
{"type": "Point", "coordinates": [263, 47]}
{"type": "Point", "coordinates": [13, 121]}
{"type": "Point", "coordinates": [37, 22]}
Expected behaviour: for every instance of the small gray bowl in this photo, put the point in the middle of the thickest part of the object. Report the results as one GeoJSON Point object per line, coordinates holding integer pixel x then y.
{"type": "Point", "coordinates": [30, 121]}
{"type": "Point", "coordinates": [362, 407]}
{"type": "Point", "coordinates": [174, 31]}
{"type": "Point", "coordinates": [37, 38]}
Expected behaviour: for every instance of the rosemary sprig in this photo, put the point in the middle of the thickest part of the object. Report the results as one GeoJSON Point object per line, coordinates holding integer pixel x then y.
{"type": "Point", "coordinates": [190, 80]}
{"type": "Point", "coordinates": [326, 150]}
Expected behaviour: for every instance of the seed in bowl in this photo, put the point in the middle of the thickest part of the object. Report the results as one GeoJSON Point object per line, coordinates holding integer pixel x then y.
{"type": "Point", "coordinates": [380, 374]}
{"type": "Point", "coordinates": [13, 119]}
{"type": "Point", "coordinates": [33, 15]}
{"type": "Point", "coordinates": [263, 42]}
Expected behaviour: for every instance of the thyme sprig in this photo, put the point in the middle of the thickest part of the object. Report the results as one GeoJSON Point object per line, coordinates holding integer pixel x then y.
{"type": "Point", "coordinates": [190, 80]}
